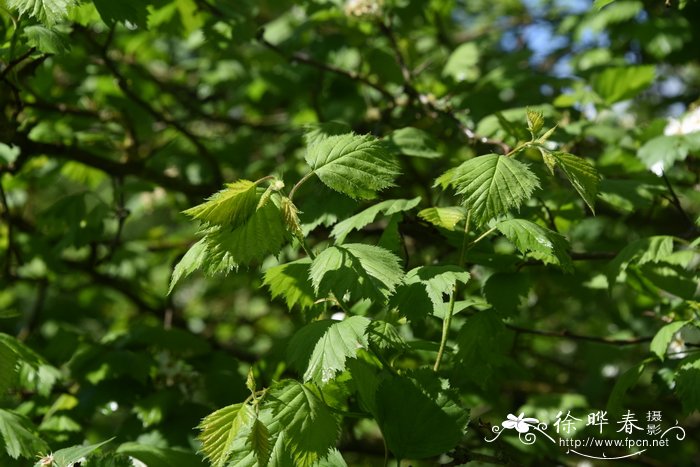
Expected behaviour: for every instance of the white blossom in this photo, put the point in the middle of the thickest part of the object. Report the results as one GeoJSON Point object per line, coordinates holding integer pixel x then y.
{"type": "Point", "coordinates": [363, 7]}
{"type": "Point", "coordinates": [688, 123]}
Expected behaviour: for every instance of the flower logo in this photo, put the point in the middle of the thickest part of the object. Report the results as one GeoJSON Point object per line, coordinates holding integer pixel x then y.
{"type": "Point", "coordinates": [521, 424]}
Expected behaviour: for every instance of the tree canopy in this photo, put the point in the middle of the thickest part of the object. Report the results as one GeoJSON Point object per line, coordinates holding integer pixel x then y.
{"type": "Point", "coordinates": [362, 232]}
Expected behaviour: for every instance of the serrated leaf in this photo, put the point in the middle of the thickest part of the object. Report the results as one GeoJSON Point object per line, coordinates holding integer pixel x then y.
{"type": "Point", "coordinates": [688, 384]}
{"type": "Point", "coordinates": [220, 429]}
{"type": "Point", "coordinates": [133, 11]}
{"type": "Point", "coordinates": [231, 207]}
{"type": "Point", "coordinates": [483, 342]}
{"type": "Point", "coordinates": [537, 241]}
{"type": "Point", "coordinates": [446, 218]}
{"type": "Point", "coordinates": [8, 368]}
{"type": "Point", "coordinates": [66, 457]}
{"type": "Point", "coordinates": [384, 335]}
{"type": "Point", "coordinates": [291, 281]}
{"type": "Point", "coordinates": [423, 289]}
{"type": "Point", "coordinates": [413, 142]}
{"type": "Point", "coordinates": [320, 349]}
{"type": "Point", "coordinates": [582, 175]}
{"type": "Point", "coordinates": [18, 434]}
{"type": "Point", "coordinates": [492, 185]}
{"type": "Point", "coordinates": [645, 250]}
{"type": "Point", "coordinates": [290, 214]}
{"type": "Point", "coordinates": [46, 40]}
{"type": "Point", "coordinates": [622, 385]}
{"type": "Point", "coordinates": [318, 131]}
{"type": "Point", "coordinates": [194, 259]}
{"type": "Point", "coordinates": [535, 121]}
{"type": "Point", "coordinates": [221, 249]}
{"type": "Point", "coordinates": [414, 425]}
{"type": "Point", "coordinates": [620, 83]}
{"type": "Point", "coordinates": [363, 271]}
{"type": "Point", "coordinates": [259, 440]}
{"type": "Point", "coordinates": [363, 218]}
{"type": "Point", "coordinates": [310, 428]}
{"type": "Point", "coordinates": [48, 12]}
{"type": "Point", "coordinates": [333, 459]}
{"type": "Point", "coordinates": [357, 166]}
{"type": "Point", "coordinates": [662, 339]}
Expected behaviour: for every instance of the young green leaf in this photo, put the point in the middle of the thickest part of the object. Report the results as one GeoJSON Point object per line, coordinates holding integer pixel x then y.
{"type": "Point", "coordinates": [423, 289]}
{"type": "Point", "coordinates": [154, 456]}
{"type": "Point", "coordinates": [291, 281]}
{"type": "Point", "coordinates": [492, 185]}
{"type": "Point", "coordinates": [537, 241]}
{"type": "Point", "coordinates": [357, 166]}
{"type": "Point", "coordinates": [259, 440]}
{"type": "Point", "coordinates": [194, 259]}
{"type": "Point", "coordinates": [446, 218]}
{"type": "Point", "coordinates": [231, 207]}
{"type": "Point", "coordinates": [659, 344]}
{"type": "Point", "coordinates": [535, 122]}
{"type": "Point", "coordinates": [582, 175]}
{"type": "Point", "coordinates": [18, 434]}
{"type": "Point", "coordinates": [364, 271]}
{"type": "Point", "coordinates": [320, 349]}
{"type": "Point", "coordinates": [361, 219]}
{"type": "Point", "coordinates": [133, 11]}
{"type": "Point", "coordinates": [220, 429]}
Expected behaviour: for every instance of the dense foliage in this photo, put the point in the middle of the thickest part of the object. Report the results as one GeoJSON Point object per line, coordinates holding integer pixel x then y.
{"type": "Point", "coordinates": [328, 233]}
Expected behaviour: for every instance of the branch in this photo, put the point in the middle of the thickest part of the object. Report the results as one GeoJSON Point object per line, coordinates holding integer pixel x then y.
{"type": "Point", "coordinates": [16, 62]}
{"type": "Point", "coordinates": [565, 334]}
{"type": "Point", "coordinates": [301, 57]}
{"type": "Point", "coordinates": [132, 168]}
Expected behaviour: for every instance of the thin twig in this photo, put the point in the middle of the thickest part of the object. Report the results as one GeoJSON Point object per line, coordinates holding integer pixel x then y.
{"type": "Point", "coordinates": [565, 334]}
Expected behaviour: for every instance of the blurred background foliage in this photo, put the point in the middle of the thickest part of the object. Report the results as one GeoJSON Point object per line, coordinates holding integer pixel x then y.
{"type": "Point", "coordinates": [116, 116]}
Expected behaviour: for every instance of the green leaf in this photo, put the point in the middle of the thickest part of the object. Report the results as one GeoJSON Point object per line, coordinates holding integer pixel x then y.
{"type": "Point", "coordinates": [317, 132]}
{"type": "Point", "coordinates": [357, 166]}
{"type": "Point", "coordinates": [291, 281]}
{"type": "Point", "coordinates": [66, 457]}
{"type": "Point", "coordinates": [231, 207]}
{"type": "Point", "coordinates": [48, 12]}
{"type": "Point", "coordinates": [582, 175]}
{"type": "Point", "coordinates": [600, 4]}
{"type": "Point", "coordinates": [688, 386]}
{"type": "Point", "coordinates": [505, 291]}
{"type": "Point", "coordinates": [154, 456]}
{"type": "Point", "coordinates": [645, 250]}
{"type": "Point", "coordinates": [18, 433]}
{"type": "Point", "coordinates": [46, 40]}
{"type": "Point", "coordinates": [414, 425]}
{"type": "Point", "coordinates": [446, 218]}
{"type": "Point", "coordinates": [493, 185]}
{"type": "Point", "coordinates": [664, 151]}
{"type": "Point", "coordinates": [462, 65]}
{"type": "Point", "coordinates": [133, 11]}
{"type": "Point", "coordinates": [363, 271]}
{"type": "Point", "coordinates": [622, 83]}
{"type": "Point", "coordinates": [622, 385]}
{"type": "Point", "coordinates": [194, 259]}
{"type": "Point", "coordinates": [363, 218]}
{"type": "Point", "coordinates": [537, 241]}
{"type": "Point", "coordinates": [259, 440]}
{"type": "Point", "coordinates": [535, 121]}
{"type": "Point", "coordinates": [333, 459]}
{"type": "Point", "coordinates": [660, 342]}
{"type": "Point", "coordinates": [413, 142]}
{"type": "Point", "coordinates": [310, 428]}
{"type": "Point", "coordinates": [220, 430]}
{"type": "Point", "coordinates": [423, 289]}
{"type": "Point", "coordinates": [8, 368]}
{"type": "Point", "coordinates": [320, 349]}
